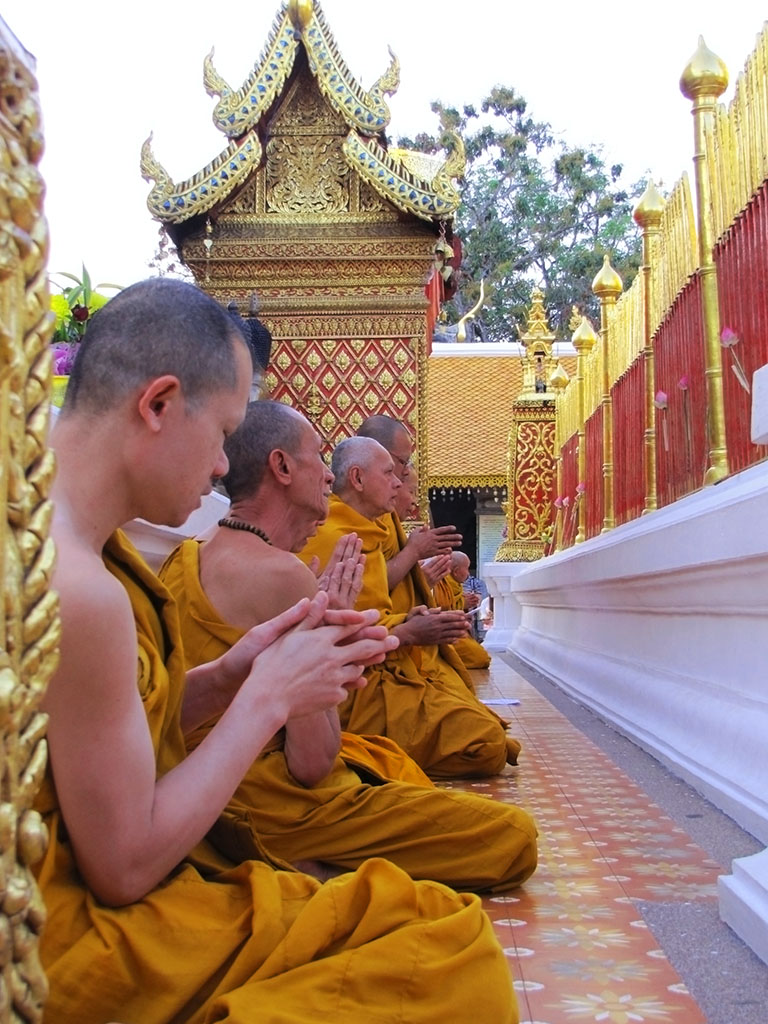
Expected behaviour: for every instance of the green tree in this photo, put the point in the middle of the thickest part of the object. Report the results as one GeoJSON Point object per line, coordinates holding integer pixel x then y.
{"type": "Point", "coordinates": [533, 213]}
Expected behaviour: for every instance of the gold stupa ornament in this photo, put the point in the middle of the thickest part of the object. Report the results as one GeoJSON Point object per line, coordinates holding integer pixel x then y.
{"type": "Point", "coordinates": [539, 363]}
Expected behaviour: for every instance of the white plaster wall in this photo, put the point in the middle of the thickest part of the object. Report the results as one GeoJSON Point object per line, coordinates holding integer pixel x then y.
{"type": "Point", "coordinates": [661, 626]}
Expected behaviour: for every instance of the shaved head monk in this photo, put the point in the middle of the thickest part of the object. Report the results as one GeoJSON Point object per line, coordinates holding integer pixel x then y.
{"type": "Point", "coordinates": [449, 594]}
{"type": "Point", "coordinates": [308, 797]}
{"type": "Point", "coordinates": [415, 696]}
{"type": "Point", "coordinates": [147, 921]}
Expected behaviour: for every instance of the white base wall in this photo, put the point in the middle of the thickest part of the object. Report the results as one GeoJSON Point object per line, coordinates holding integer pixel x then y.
{"type": "Point", "coordinates": [661, 626]}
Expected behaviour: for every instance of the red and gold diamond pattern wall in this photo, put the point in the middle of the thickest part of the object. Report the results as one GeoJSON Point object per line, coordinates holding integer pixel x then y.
{"type": "Point", "coordinates": [339, 382]}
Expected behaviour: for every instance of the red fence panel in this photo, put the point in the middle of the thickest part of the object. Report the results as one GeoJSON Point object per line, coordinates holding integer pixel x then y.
{"type": "Point", "coordinates": [593, 494]}
{"type": "Point", "coordinates": [741, 258]}
{"type": "Point", "coordinates": [628, 395]}
{"type": "Point", "coordinates": [682, 449]}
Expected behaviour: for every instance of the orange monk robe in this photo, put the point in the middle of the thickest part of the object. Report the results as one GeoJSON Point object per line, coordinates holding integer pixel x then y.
{"type": "Point", "coordinates": [457, 838]}
{"type": "Point", "coordinates": [436, 720]}
{"type": "Point", "coordinates": [244, 943]}
{"type": "Point", "coordinates": [449, 594]}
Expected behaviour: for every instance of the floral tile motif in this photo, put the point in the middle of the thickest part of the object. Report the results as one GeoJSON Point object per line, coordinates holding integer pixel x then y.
{"type": "Point", "coordinates": [578, 948]}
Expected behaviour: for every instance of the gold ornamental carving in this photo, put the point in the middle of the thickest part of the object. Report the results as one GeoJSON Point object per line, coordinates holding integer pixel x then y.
{"type": "Point", "coordinates": [29, 620]}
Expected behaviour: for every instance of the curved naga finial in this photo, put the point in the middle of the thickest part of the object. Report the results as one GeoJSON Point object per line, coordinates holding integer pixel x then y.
{"type": "Point", "coordinates": [240, 110]}
{"type": "Point", "coordinates": [454, 167]}
{"type": "Point", "coordinates": [213, 83]}
{"type": "Point", "coordinates": [364, 111]}
{"type": "Point", "coordinates": [174, 203]}
{"type": "Point", "coordinates": [392, 178]}
{"type": "Point", "coordinates": [461, 333]}
{"type": "Point", "coordinates": [389, 82]}
{"type": "Point", "coordinates": [152, 170]}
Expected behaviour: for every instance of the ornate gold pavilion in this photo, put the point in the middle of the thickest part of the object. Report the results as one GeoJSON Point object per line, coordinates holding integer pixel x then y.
{"type": "Point", "coordinates": [309, 207]}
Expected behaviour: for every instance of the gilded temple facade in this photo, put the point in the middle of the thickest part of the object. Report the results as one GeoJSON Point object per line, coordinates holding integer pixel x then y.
{"type": "Point", "coordinates": [308, 207]}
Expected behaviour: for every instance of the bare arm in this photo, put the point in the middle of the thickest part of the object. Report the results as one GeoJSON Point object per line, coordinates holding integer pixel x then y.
{"type": "Point", "coordinates": [244, 592]}
{"type": "Point", "coordinates": [421, 544]}
{"type": "Point", "coordinates": [129, 829]}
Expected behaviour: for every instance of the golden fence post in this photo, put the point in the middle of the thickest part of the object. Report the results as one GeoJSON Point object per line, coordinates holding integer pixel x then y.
{"type": "Point", "coordinates": [704, 78]}
{"type": "Point", "coordinates": [647, 214]}
{"type": "Point", "coordinates": [583, 339]}
{"type": "Point", "coordinates": [559, 381]}
{"type": "Point", "coordinates": [607, 287]}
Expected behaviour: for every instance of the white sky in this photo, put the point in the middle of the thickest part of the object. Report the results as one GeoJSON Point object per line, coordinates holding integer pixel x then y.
{"type": "Point", "coordinates": [109, 74]}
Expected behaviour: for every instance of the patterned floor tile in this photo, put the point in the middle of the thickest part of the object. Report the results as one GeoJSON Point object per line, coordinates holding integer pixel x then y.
{"type": "Point", "coordinates": [578, 947]}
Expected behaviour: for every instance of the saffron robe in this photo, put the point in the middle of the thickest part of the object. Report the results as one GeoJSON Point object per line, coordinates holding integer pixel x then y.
{"type": "Point", "coordinates": [449, 594]}
{"type": "Point", "coordinates": [461, 839]}
{"type": "Point", "coordinates": [243, 943]}
{"type": "Point", "coordinates": [414, 696]}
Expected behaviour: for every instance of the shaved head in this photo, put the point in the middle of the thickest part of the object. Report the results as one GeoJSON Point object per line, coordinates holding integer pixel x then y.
{"type": "Point", "coordinates": [354, 451]}
{"type": "Point", "coordinates": [156, 327]}
{"type": "Point", "coordinates": [267, 426]}
{"type": "Point", "coordinates": [384, 429]}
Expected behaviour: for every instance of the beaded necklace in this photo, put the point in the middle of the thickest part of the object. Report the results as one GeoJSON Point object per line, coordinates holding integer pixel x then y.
{"type": "Point", "coordinates": [240, 524]}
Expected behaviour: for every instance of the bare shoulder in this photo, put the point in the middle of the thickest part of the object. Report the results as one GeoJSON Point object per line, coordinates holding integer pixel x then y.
{"type": "Point", "coordinates": [98, 627]}
{"type": "Point", "coordinates": [249, 583]}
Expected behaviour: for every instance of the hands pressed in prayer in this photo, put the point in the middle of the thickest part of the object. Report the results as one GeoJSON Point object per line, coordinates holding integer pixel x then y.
{"type": "Point", "coordinates": [342, 577]}
{"type": "Point", "coordinates": [432, 626]}
{"type": "Point", "coordinates": [436, 568]}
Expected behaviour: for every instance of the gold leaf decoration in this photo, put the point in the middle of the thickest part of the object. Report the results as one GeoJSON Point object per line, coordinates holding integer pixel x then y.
{"type": "Point", "coordinates": [328, 422]}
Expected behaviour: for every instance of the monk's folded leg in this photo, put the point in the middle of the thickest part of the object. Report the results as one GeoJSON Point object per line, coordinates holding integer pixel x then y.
{"type": "Point", "coordinates": [376, 947]}
{"type": "Point", "coordinates": [258, 946]}
{"type": "Point", "coordinates": [460, 839]}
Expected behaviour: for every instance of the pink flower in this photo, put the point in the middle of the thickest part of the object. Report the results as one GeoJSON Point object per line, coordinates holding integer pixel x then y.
{"type": "Point", "coordinates": [558, 502]}
{"type": "Point", "coordinates": [683, 382]}
{"type": "Point", "coordinates": [728, 337]}
{"type": "Point", "coordinates": [660, 401]}
{"type": "Point", "coordinates": [566, 501]}
{"type": "Point", "coordinates": [580, 488]}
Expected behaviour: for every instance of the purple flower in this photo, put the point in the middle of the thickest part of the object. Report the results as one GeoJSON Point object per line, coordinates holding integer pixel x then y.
{"type": "Point", "coordinates": [683, 382]}
{"type": "Point", "coordinates": [660, 401]}
{"type": "Point", "coordinates": [728, 337]}
{"type": "Point", "coordinates": [558, 502]}
{"type": "Point", "coordinates": [580, 488]}
{"type": "Point", "coordinates": [63, 358]}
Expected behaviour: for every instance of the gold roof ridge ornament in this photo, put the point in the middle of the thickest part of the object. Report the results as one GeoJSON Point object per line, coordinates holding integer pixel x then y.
{"type": "Point", "coordinates": [239, 115]}
{"type": "Point", "coordinates": [461, 330]}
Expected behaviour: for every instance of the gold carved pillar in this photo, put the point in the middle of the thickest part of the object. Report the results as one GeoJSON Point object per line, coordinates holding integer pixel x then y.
{"type": "Point", "coordinates": [648, 214]}
{"type": "Point", "coordinates": [29, 623]}
{"type": "Point", "coordinates": [607, 286]}
{"type": "Point", "coordinates": [531, 446]}
{"type": "Point", "coordinates": [704, 79]}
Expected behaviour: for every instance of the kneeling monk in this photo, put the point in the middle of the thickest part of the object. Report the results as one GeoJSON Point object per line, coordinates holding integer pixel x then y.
{"type": "Point", "coordinates": [146, 920]}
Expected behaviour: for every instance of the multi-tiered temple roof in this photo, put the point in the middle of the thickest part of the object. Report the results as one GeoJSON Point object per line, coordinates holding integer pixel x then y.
{"type": "Point", "coordinates": [300, 36]}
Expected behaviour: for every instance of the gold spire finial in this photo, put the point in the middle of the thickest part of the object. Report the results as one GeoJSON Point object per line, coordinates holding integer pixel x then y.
{"type": "Point", "coordinates": [559, 379]}
{"type": "Point", "coordinates": [300, 12]}
{"type": "Point", "coordinates": [650, 207]}
{"type": "Point", "coordinates": [607, 282]}
{"type": "Point", "coordinates": [584, 336]}
{"type": "Point", "coordinates": [704, 74]}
